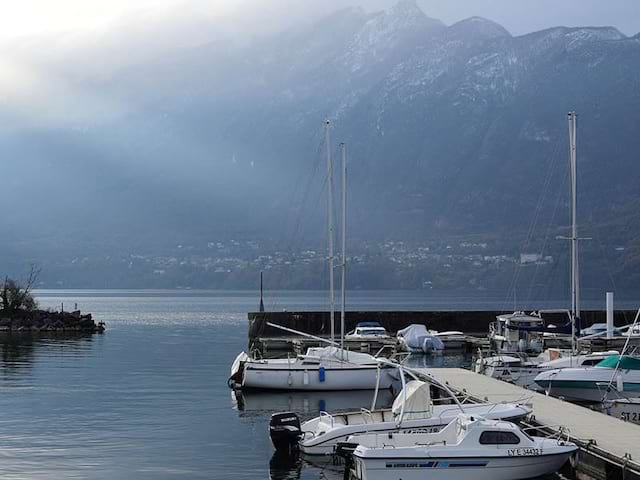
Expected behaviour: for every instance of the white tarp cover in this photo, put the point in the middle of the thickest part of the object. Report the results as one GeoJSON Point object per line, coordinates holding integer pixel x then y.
{"type": "Point", "coordinates": [418, 401]}
{"type": "Point", "coordinates": [418, 338]}
{"type": "Point", "coordinates": [334, 354]}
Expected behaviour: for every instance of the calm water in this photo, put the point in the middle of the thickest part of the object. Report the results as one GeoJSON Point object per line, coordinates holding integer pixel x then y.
{"type": "Point", "coordinates": [148, 399]}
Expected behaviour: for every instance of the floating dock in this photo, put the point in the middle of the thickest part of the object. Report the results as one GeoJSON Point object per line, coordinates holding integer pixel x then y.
{"type": "Point", "coordinates": [297, 345]}
{"type": "Point", "coordinates": [609, 447]}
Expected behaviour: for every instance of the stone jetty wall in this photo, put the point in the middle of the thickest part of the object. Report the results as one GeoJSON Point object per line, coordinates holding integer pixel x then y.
{"type": "Point", "coordinates": [48, 321]}
{"type": "Point", "coordinates": [469, 322]}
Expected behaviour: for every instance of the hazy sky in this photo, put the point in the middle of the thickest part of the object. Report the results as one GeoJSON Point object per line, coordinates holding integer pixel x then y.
{"type": "Point", "coordinates": [26, 17]}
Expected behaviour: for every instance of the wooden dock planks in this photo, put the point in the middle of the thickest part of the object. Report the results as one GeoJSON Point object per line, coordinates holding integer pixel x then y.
{"type": "Point", "coordinates": [613, 437]}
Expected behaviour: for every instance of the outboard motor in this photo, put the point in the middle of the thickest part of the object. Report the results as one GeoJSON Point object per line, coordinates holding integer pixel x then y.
{"type": "Point", "coordinates": [285, 431]}
{"type": "Point", "coordinates": [345, 451]}
{"type": "Point", "coordinates": [431, 344]}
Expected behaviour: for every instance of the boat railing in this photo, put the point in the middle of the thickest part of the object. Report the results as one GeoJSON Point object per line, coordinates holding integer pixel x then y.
{"type": "Point", "coordinates": [383, 348]}
{"type": "Point", "coordinates": [366, 413]}
{"type": "Point", "coordinates": [446, 411]}
{"type": "Point", "coordinates": [558, 432]}
{"type": "Point", "coordinates": [431, 444]}
{"type": "Point", "coordinates": [326, 416]}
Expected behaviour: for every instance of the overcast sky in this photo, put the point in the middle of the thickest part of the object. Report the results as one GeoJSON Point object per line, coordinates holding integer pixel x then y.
{"type": "Point", "coordinates": [27, 17]}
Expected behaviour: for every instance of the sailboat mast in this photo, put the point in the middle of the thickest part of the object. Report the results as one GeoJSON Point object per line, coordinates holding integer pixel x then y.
{"type": "Point", "coordinates": [575, 283]}
{"type": "Point", "coordinates": [344, 244]}
{"type": "Point", "coordinates": [261, 301]}
{"type": "Point", "coordinates": [330, 227]}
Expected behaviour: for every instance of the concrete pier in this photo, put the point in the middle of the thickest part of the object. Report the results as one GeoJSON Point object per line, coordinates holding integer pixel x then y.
{"type": "Point", "coordinates": [609, 447]}
{"type": "Point", "coordinates": [474, 322]}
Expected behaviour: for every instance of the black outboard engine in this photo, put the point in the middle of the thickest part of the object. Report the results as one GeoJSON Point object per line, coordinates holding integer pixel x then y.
{"type": "Point", "coordinates": [345, 451]}
{"type": "Point", "coordinates": [285, 431]}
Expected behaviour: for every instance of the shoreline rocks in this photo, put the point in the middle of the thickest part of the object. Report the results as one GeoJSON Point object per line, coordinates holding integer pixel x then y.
{"type": "Point", "coordinates": [49, 321]}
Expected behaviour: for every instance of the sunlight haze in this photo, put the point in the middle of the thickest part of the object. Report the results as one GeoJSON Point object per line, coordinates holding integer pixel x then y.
{"type": "Point", "coordinates": [33, 17]}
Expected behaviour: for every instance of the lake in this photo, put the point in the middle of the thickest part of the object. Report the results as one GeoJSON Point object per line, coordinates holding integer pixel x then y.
{"type": "Point", "coordinates": [148, 399]}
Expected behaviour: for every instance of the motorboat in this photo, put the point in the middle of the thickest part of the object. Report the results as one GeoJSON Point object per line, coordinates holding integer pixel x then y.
{"type": "Point", "coordinates": [626, 409]}
{"type": "Point", "coordinates": [516, 369]}
{"type": "Point", "coordinates": [321, 368]}
{"type": "Point", "coordinates": [517, 333]}
{"type": "Point", "coordinates": [416, 338]}
{"type": "Point", "coordinates": [452, 339]}
{"type": "Point", "coordinates": [412, 410]}
{"type": "Point", "coordinates": [367, 331]}
{"type": "Point", "coordinates": [468, 447]}
{"type": "Point", "coordinates": [633, 331]}
{"type": "Point", "coordinates": [599, 329]}
{"type": "Point", "coordinates": [616, 374]}
{"type": "Point", "coordinates": [522, 370]}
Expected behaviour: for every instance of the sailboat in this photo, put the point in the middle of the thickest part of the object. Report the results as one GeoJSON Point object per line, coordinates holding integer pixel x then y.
{"type": "Point", "coordinates": [513, 365]}
{"type": "Point", "coordinates": [331, 367]}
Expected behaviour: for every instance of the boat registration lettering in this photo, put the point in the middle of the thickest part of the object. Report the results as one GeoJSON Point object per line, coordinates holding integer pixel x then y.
{"type": "Point", "coordinates": [524, 452]}
{"type": "Point", "coordinates": [422, 430]}
{"type": "Point", "coordinates": [630, 417]}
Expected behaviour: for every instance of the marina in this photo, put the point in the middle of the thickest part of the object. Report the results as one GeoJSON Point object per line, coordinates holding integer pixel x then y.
{"type": "Point", "coordinates": [474, 324]}
{"type": "Point", "coordinates": [176, 411]}
{"type": "Point", "coordinates": [436, 254]}
{"type": "Point", "coordinates": [609, 447]}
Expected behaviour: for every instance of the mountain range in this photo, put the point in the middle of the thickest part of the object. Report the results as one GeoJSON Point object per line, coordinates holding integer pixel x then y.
{"type": "Point", "coordinates": [141, 140]}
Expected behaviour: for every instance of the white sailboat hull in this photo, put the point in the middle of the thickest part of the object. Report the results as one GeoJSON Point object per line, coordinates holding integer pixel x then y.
{"type": "Point", "coordinates": [280, 377]}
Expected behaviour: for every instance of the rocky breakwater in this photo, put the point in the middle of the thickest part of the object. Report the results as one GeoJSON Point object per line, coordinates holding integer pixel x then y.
{"type": "Point", "coordinates": [49, 321]}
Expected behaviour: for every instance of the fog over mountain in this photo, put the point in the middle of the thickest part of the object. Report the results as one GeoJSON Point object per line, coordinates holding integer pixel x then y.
{"type": "Point", "coordinates": [178, 132]}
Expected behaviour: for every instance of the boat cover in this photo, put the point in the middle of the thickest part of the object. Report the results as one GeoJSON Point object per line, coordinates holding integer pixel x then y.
{"type": "Point", "coordinates": [417, 337]}
{"type": "Point", "coordinates": [335, 354]}
{"type": "Point", "coordinates": [626, 362]}
{"type": "Point", "coordinates": [418, 401]}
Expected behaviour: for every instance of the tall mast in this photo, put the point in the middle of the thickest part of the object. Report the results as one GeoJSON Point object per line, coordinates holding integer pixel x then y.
{"type": "Point", "coordinates": [575, 280]}
{"type": "Point", "coordinates": [330, 228]}
{"type": "Point", "coordinates": [261, 302]}
{"type": "Point", "coordinates": [344, 244]}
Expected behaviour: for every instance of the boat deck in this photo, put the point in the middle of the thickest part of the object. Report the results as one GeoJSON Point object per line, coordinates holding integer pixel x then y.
{"type": "Point", "coordinates": [608, 438]}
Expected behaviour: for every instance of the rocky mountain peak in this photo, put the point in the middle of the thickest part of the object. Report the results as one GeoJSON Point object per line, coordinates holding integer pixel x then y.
{"type": "Point", "coordinates": [480, 28]}
{"type": "Point", "coordinates": [408, 13]}
{"type": "Point", "coordinates": [591, 34]}
{"type": "Point", "coordinates": [399, 28]}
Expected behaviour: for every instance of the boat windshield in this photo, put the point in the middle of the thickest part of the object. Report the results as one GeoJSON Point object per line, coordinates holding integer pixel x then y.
{"type": "Point", "coordinates": [498, 438]}
{"type": "Point", "coordinates": [371, 331]}
{"type": "Point", "coordinates": [625, 362]}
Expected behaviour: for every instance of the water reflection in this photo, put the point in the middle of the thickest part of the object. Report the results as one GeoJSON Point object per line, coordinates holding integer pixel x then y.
{"type": "Point", "coordinates": [18, 351]}
{"type": "Point", "coordinates": [438, 360]}
{"type": "Point", "coordinates": [307, 404]}
{"type": "Point", "coordinates": [284, 466]}
{"type": "Point", "coordinates": [294, 466]}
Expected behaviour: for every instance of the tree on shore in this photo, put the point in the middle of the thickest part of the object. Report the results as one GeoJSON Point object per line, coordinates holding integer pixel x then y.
{"type": "Point", "coordinates": [16, 297]}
